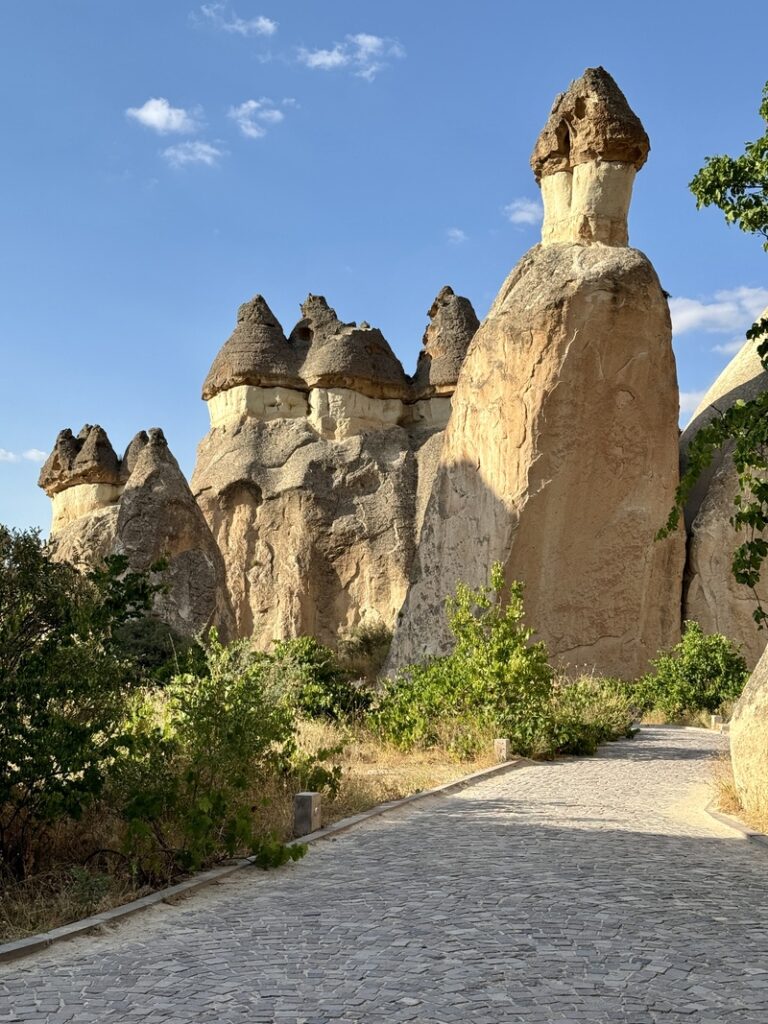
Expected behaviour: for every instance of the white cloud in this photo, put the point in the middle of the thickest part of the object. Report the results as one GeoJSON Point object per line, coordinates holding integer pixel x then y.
{"type": "Point", "coordinates": [30, 455]}
{"type": "Point", "coordinates": [456, 236]}
{"type": "Point", "coordinates": [223, 17]}
{"type": "Point", "coordinates": [730, 348]}
{"type": "Point", "coordinates": [252, 116]}
{"type": "Point", "coordinates": [192, 153]}
{"type": "Point", "coordinates": [159, 115]}
{"type": "Point", "coordinates": [34, 455]}
{"type": "Point", "coordinates": [524, 211]}
{"type": "Point", "coordinates": [689, 400]}
{"type": "Point", "coordinates": [363, 54]}
{"type": "Point", "coordinates": [728, 310]}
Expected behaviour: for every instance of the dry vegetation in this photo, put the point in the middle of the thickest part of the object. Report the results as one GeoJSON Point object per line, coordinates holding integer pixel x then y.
{"type": "Point", "coordinates": [727, 798]}
{"type": "Point", "coordinates": [373, 772]}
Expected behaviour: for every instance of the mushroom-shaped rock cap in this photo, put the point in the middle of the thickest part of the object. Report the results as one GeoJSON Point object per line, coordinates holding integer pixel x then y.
{"type": "Point", "coordinates": [591, 121]}
{"type": "Point", "coordinates": [446, 340]}
{"type": "Point", "coordinates": [257, 352]}
{"type": "Point", "coordinates": [88, 458]}
{"type": "Point", "coordinates": [340, 355]}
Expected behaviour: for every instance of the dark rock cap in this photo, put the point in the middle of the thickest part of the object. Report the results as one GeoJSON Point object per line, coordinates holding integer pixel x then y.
{"type": "Point", "coordinates": [591, 121]}
{"type": "Point", "coordinates": [446, 340]}
{"type": "Point", "coordinates": [257, 352]}
{"type": "Point", "coordinates": [88, 458]}
{"type": "Point", "coordinates": [346, 355]}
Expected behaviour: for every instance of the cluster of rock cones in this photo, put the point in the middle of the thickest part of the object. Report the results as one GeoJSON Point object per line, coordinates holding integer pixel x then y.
{"type": "Point", "coordinates": [333, 489]}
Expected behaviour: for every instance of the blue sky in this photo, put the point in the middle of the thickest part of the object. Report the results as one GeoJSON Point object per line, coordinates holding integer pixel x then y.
{"type": "Point", "coordinates": [164, 161]}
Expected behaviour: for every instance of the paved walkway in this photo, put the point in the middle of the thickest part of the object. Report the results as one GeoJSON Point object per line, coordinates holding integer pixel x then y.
{"type": "Point", "coordinates": [590, 890]}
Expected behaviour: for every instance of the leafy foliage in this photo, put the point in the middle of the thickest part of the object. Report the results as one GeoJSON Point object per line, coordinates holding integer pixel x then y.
{"type": "Point", "coordinates": [64, 686]}
{"type": "Point", "coordinates": [496, 679]}
{"type": "Point", "coordinates": [320, 686]}
{"type": "Point", "coordinates": [203, 753]}
{"type": "Point", "coordinates": [701, 673]}
{"type": "Point", "coordinates": [739, 187]}
{"type": "Point", "coordinates": [363, 652]}
{"type": "Point", "coordinates": [269, 852]}
{"type": "Point", "coordinates": [589, 711]}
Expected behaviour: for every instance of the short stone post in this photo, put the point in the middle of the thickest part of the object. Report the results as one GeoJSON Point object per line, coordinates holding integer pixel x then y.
{"type": "Point", "coordinates": [307, 813]}
{"type": "Point", "coordinates": [501, 750]}
{"type": "Point", "coordinates": [716, 722]}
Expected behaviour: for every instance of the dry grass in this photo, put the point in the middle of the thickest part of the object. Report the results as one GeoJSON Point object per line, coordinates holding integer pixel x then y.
{"type": "Point", "coordinates": [727, 797]}
{"type": "Point", "coordinates": [373, 773]}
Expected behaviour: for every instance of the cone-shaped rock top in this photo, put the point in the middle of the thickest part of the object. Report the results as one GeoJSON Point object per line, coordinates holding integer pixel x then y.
{"type": "Point", "coordinates": [453, 324]}
{"type": "Point", "coordinates": [88, 458]}
{"type": "Point", "coordinates": [257, 352]}
{"type": "Point", "coordinates": [340, 355]}
{"type": "Point", "coordinates": [591, 121]}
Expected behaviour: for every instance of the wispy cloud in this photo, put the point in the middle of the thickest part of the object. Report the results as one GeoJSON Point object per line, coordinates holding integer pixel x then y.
{"type": "Point", "coordinates": [727, 311]}
{"type": "Point", "coordinates": [689, 400]}
{"type": "Point", "coordinates": [223, 17]}
{"type": "Point", "coordinates": [524, 211]}
{"type": "Point", "coordinates": [185, 153]}
{"type": "Point", "coordinates": [730, 348]}
{"type": "Point", "coordinates": [254, 116]}
{"type": "Point", "coordinates": [363, 54]}
{"type": "Point", "coordinates": [30, 455]}
{"type": "Point", "coordinates": [158, 114]}
{"type": "Point", "coordinates": [456, 236]}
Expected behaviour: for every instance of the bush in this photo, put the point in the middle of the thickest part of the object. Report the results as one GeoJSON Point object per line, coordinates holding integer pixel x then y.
{"type": "Point", "coordinates": [320, 687]}
{"type": "Point", "coordinates": [204, 753]}
{"type": "Point", "coordinates": [495, 680]}
{"type": "Point", "coordinates": [362, 653]}
{"type": "Point", "coordinates": [158, 651]}
{"type": "Point", "coordinates": [64, 687]}
{"type": "Point", "coordinates": [701, 673]}
{"type": "Point", "coordinates": [589, 711]}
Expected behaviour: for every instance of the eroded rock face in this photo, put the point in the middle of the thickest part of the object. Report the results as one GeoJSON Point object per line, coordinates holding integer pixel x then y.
{"type": "Point", "coordinates": [315, 496]}
{"type": "Point", "coordinates": [140, 507]}
{"type": "Point", "coordinates": [712, 597]}
{"type": "Point", "coordinates": [560, 459]}
{"type": "Point", "coordinates": [749, 741]}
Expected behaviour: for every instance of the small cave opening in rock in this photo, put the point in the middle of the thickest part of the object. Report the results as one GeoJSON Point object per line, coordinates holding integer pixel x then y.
{"type": "Point", "coordinates": [303, 334]}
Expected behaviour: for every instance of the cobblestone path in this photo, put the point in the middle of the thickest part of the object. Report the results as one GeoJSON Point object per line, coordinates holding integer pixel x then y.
{"type": "Point", "coordinates": [591, 890]}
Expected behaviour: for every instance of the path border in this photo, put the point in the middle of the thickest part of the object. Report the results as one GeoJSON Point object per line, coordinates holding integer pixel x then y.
{"type": "Point", "coordinates": [19, 948]}
{"type": "Point", "coordinates": [736, 824]}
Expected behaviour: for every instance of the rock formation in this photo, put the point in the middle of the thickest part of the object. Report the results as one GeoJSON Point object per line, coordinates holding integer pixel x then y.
{"type": "Point", "coordinates": [711, 594]}
{"type": "Point", "coordinates": [749, 741]}
{"type": "Point", "coordinates": [319, 461]}
{"type": "Point", "coordinates": [140, 507]}
{"type": "Point", "coordinates": [560, 458]}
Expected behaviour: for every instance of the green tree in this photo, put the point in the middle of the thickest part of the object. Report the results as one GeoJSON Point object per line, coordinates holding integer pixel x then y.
{"type": "Point", "coordinates": [64, 683]}
{"type": "Point", "coordinates": [738, 186]}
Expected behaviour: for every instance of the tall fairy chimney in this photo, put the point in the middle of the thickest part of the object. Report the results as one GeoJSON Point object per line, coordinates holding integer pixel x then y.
{"type": "Point", "coordinates": [585, 161]}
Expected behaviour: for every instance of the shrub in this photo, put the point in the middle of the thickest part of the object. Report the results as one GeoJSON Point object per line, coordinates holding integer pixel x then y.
{"type": "Point", "coordinates": [320, 687]}
{"type": "Point", "coordinates": [701, 673]}
{"type": "Point", "coordinates": [362, 653]}
{"type": "Point", "coordinates": [204, 751]}
{"type": "Point", "coordinates": [158, 651]}
{"type": "Point", "coordinates": [496, 679]}
{"type": "Point", "coordinates": [64, 686]}
{"type": "Point", "coordinates": [589, 711]}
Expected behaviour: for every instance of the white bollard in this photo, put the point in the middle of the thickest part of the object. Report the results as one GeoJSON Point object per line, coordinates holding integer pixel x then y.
{"type": "Point", "coordinates": [501, 750]}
